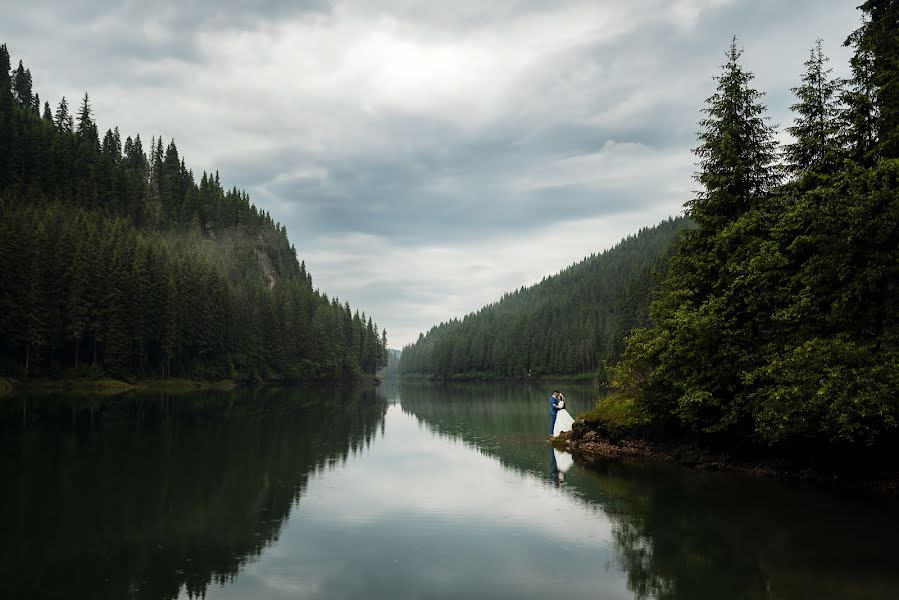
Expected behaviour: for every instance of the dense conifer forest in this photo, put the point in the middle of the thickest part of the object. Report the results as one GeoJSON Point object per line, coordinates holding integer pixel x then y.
{"type": "Point", "coordinates": [778, 321]}
{"type": "Point", "coordinates": [115, 260]}
{"type": "Point", "coordinates": [572, 323]}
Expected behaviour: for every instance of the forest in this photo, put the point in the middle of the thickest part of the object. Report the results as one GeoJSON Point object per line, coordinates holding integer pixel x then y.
{"type": "Point", "coordinates": [570, 324]}
{"type": "Point", "coordinates": [115, 260]}
{"type": "Point", "coordinates": [778, 321]}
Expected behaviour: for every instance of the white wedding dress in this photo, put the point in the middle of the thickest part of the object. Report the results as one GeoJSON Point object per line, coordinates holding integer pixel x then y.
{"type": "Point", "coordinates": [563, 461]}
{"type": "Point", "coordinates": [563, 420]}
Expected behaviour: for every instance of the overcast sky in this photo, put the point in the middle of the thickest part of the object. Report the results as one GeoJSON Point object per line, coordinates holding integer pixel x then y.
{"type": "Point", "coordinates": [426, 156]}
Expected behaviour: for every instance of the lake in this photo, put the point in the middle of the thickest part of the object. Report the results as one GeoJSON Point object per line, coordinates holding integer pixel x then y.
{"type": "Point", "coordinates": [411, 490]}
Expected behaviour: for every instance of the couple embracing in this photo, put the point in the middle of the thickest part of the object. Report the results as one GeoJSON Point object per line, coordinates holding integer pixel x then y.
{"type": "Point", "coordinates": [559, 419]}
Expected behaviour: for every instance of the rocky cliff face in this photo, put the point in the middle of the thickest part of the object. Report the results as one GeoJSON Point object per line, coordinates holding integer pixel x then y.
{"type": "Point", "coordinates": [268, 268]}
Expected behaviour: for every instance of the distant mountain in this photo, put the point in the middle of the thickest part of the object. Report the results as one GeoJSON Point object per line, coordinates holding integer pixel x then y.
{"type": "Point", "coordinates": [570, 324]}
{"type": "Point", "coordinates": [116, 259]}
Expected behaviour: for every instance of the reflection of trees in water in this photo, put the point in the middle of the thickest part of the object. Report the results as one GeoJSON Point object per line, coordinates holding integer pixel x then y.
{"type": "Point", "coordinates": [498, 420]}
{"type": "Point", "coordinates": [686, 535]}
{"type": "Point", "coordinates": [166, 492]}
{"type": "Point", "coordinates": [682, 534]}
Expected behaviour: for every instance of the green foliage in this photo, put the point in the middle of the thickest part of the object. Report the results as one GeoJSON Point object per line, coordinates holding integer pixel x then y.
{"type": "Point", "coordinates": [816, 128]}
{"type": "Point", "coordinates": [618, 413]}
{"type": "Point", "coordinates": [570, 324]}
{"type": "Point", "coordinates": [737, 150]}
{"type": "Point", "coordinates": [122, 261]}
{"type": "Point", "coordinates": [777, 323]}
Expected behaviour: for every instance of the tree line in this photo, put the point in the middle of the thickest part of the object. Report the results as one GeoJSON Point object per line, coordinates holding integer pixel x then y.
{"type": "Point", "coordinates": [778, 321]}
{"type": "Point", "coordinates": [114, 259]}
{"type": "Point", "coordinates": [572, 323]}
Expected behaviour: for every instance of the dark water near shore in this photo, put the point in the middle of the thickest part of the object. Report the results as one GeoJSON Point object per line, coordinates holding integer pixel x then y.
{"type": "Point", "coordinates": [413, 491]}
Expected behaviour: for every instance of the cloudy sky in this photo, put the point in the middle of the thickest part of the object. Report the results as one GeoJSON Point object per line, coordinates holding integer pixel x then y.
{"type": "Point", "coordinates": [426, 156]}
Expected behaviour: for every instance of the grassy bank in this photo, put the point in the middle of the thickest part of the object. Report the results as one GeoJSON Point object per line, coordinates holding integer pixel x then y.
{"type": "Point", "coordinates": [616, 429]}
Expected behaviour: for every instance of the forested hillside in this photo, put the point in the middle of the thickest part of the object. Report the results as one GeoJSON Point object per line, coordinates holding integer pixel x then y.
{"type": "Point", "coordinates": [778, 322]}
{"type": "Point", "coordinates": [114, 258]}
{"type": "Point", "coordinates": [569, 324]}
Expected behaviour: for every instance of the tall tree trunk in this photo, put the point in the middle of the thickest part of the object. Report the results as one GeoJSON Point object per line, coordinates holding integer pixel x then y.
{"type": "Point", "coordinates": [27, 358]}
{"type": "Point", "coordinates": [77, 348]}
{"type": "Point", "coordinates": [95, 350]}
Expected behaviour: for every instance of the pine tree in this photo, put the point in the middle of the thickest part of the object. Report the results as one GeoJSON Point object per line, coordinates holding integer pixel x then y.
{"type": "Point", "coordinates": [816, 127]}
{"type": "Point", "coordinates": [738, 153]}
{"type": "Point", "coordinates": [64, 122]}
{"type": "Point", "coordinates": [879, 36]}
{"type": "Point", "coordinates": [5, 66]}
{"type": "Point", "coordinates": [22, 87]}
{"type": "Point", "coordinates": [6, 109]}
{"type": "Point", "coordinates": [87, 129]}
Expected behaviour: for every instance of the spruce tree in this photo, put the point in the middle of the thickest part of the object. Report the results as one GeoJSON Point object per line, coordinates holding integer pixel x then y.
{"type": "Point", "coordinates": [737, 154]}
{"type": "Point", "coordinates": [688, 365]}
{"type": "Point", "coordinates": [816, 126]}
{"type": "Point", "coordinates": [64, 122]}
{"type": "Point", "coordinates": [5, 66]}
{"type": "Point", "coordinates": [22, 86]}
{"type": "Point", "coordinates": [859, 119]}
{"type": "Point", "coordinates": [879, 36]}
{"type": "Point", "coordinates": [6, 110]}
{"type": "Point", "coordinates": [87, 129]}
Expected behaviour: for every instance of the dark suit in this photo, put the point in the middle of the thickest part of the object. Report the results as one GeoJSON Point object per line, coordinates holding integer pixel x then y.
{"type": "Point", "coordinates": [553, 410]}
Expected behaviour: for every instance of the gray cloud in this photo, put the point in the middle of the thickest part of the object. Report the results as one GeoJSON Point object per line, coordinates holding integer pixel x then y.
{"type": "Point", "coordinates": [383, 132]}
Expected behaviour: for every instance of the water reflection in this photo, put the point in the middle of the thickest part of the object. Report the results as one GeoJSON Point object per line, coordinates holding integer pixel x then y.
{"type": "Point", "coordinates": [507, 422]}
{"type": "Point", "coordinates": [145, 496]}
{"type": "Point", "coordinates": [680, 534]}
{"type": "Point", "coordinates": [559, 463]}
{"type": "Point", "coordinates": [447, 493]}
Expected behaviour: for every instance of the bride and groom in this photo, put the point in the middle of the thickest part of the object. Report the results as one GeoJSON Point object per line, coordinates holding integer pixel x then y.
{"type": "Point", "coordinates": [559, 419]}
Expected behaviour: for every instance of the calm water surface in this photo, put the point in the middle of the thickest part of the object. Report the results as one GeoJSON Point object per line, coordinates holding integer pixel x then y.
{"type": "Point", "coordinates": [408, 491]}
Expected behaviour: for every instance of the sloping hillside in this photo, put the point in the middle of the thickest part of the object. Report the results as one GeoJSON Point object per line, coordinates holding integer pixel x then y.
{"type": "Point", "coordinates": [572, 323]}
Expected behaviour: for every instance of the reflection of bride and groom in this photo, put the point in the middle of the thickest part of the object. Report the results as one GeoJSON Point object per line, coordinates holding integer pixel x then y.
{"type": "Point", "coordinates": [559, 420]}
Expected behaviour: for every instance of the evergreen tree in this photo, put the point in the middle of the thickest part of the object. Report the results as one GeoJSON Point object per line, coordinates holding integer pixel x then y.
{"type": "Point", "coordinates": [859, 119]}
{"type": "Point", "coordinates": [878, 42]}
{"type": "Point", "coordinates": [22, 86]}
{"type": "Point", "coordinates": [737, 153]}
{"type": "Point", "coordinates": [816, 127]}
{"type": "Point", "coordinates": [87, 129]}
{"type": "Point", "coordinates": [64, 121]}
{"type": "Point", "coordinates": [689, 364]}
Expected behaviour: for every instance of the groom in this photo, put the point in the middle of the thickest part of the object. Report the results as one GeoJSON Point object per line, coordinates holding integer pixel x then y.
{"type": "Point", "coordinates": [553, 409]}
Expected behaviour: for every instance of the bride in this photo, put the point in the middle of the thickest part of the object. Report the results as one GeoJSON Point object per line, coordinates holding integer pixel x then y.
{"type": "Point", "coordinates": [563, 419]}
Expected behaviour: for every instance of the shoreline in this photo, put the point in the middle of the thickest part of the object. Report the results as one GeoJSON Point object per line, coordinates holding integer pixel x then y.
{"type": "Point", "coordinates": [555, 379]}
{"type": "Point", "coordinates": [109, 386]}
{"type": "Point", "coordinates": [590, 445]}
